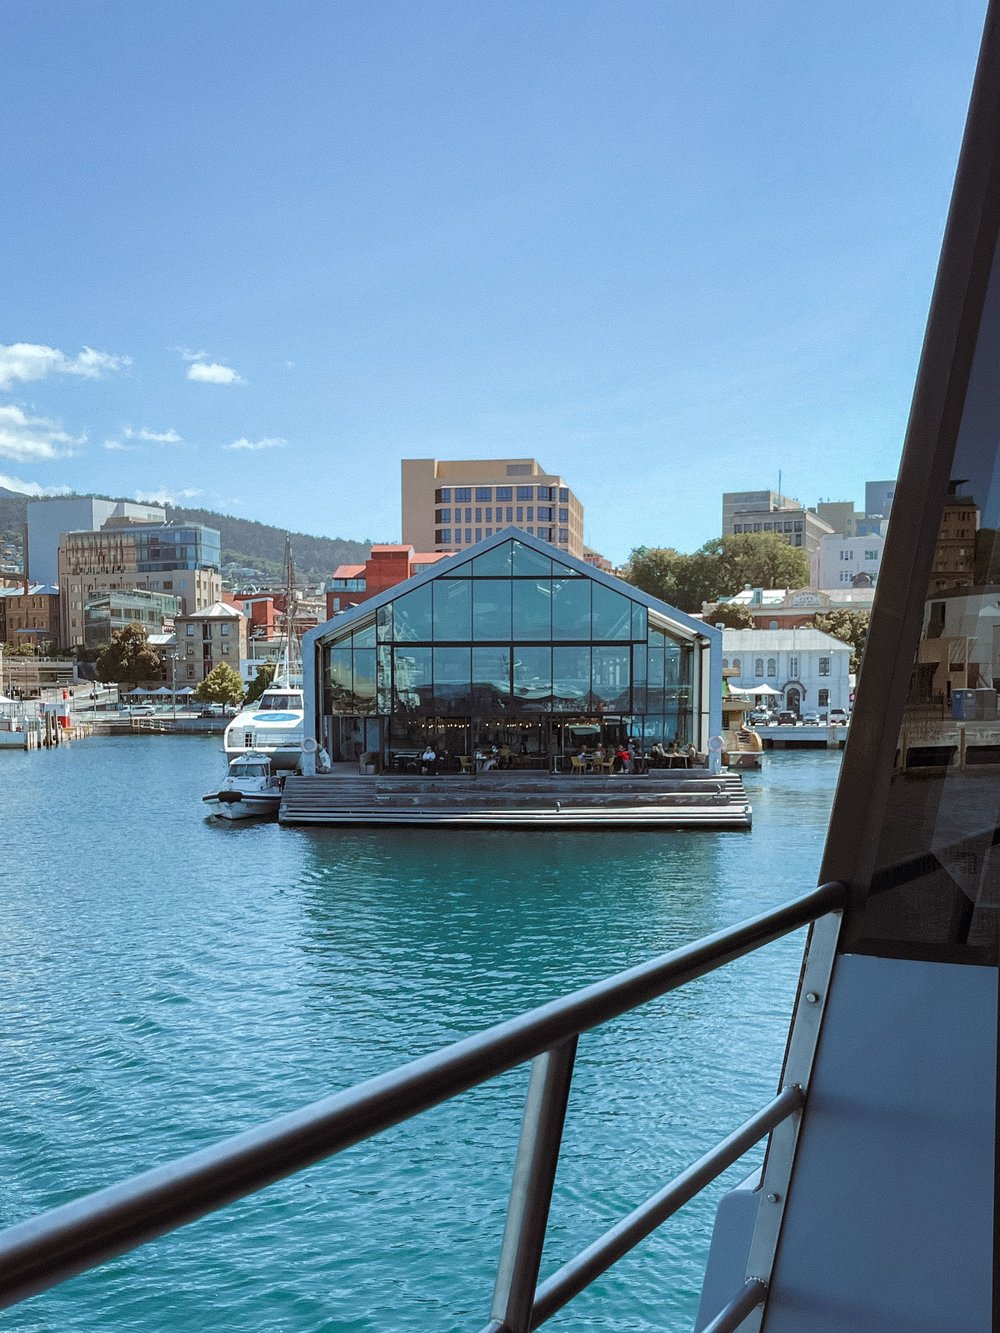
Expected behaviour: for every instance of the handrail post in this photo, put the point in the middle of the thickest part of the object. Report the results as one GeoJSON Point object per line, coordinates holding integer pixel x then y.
{"type": "Point", "coordinates": [531, 1187]}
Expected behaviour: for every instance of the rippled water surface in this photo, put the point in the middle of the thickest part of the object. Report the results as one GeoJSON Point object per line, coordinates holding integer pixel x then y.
{"type": "Point", "coordinates": [171, 980]}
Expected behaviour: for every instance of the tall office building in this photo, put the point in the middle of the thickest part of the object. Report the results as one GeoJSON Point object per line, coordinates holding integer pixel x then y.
{"type": "Point", "coordinates": [182, 560]}
{"type": "Point", "coordinates": [49, 519]}
{"type": "Point", "coordinates": [751, 501]}
{"type": "Point", "coordinates": [448, 505]}
{"type": "Point", "coordinates": [771, 513]}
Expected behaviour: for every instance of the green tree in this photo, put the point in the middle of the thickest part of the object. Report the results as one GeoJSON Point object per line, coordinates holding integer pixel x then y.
{"type": "Point", "coordinates": [260, 682]}
{"type": "Point", "coordinates": [128, 658]}
{"type": "Point", "coordinates": [732, 617]}
{"type": "Point", "coordinates": [685, 581]}
{"type": "Point", "coordinates": [222, 685]}
{"type": "Point", "coordinates": [848, 626]}
{"type": "Point", "coordinates": [759, 558]}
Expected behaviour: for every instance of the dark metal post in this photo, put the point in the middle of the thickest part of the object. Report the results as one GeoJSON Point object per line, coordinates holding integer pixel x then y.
{"type": "Point", "coordinates": [531, 1189]}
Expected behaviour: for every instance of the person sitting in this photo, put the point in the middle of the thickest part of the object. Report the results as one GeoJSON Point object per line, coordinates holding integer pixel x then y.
{"type": "Point", "coordinates": [623, 759]}
{"type": "Point", "coordinates": [658, 754]}
{"type": "Point", "coordinates": [428, 760]}
{"type": "Point", "coordinates": [692, 754]}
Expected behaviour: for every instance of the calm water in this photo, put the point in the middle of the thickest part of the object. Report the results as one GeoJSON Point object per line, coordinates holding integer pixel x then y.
{"type": "Point", "coordinates": [170, 981]}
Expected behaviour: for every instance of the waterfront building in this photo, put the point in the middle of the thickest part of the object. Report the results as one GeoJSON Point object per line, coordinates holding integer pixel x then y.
{"type": "Point", "coordinates": [207, 638]}
{"type": "Point", "coordinates": [179, 559]}
{"type": "Point", "coordinates": [385, 567]}
{"type": "Point", "coordinates": [515, 646]}
{"type": "Point", "coordinates": [790, 608]}
{"type": "Point", "coordinates": [47, 520]}
{"type": "Point", "coordinates": [106, 612]}
{"type": "Point", "coordinates": [810, 668]}
{"type": "Point", "coordinates": [847, 561]}
{"type": "Point", "coordinates": [29, 614]}
{"type": "Point", "coordinates": [453, 504]}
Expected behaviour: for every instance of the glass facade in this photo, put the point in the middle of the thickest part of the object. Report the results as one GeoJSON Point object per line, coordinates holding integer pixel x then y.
{"type": "Point", "coordinates": [506, 643]}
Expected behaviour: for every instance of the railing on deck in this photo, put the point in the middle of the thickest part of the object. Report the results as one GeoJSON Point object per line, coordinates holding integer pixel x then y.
{"type": "Point", "coordinates": [47, 1249]}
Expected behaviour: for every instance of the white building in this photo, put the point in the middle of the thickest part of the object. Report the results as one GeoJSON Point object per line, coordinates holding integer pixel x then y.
{"type": "Point", "coordinates": [810, 668]}
{"type": "Point", "coordinates": [840, 562]}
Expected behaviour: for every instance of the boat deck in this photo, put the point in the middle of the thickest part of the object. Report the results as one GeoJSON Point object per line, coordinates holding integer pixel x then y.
{"type": "Point", "coordinates": [667, 799]}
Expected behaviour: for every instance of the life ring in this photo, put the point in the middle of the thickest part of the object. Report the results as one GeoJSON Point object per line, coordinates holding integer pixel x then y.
{"type": "Point", "coordinates": [309, 745]}
{"type": "Point", "coordinates": [716, 743]}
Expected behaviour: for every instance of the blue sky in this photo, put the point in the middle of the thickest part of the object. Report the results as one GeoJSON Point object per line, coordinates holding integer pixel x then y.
{"type": "Point", "coordinates": [668, 249]}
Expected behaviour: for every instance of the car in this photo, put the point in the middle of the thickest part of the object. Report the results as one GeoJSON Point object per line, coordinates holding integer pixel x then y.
{"type": "Point", "coordinates": [811, 719]}
{"type": "Point", "coordinates": [838, 717]}
{"type": "Point", "coordinates": [786, 718]}
{"type": "Point", "coordinates": [141, 710]}
{"type": "Point", "coordinates": [760, 717]}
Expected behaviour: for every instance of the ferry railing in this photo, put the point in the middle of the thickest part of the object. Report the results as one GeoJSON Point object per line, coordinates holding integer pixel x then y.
{"type": "Point", "coordinates": [39, 1253]}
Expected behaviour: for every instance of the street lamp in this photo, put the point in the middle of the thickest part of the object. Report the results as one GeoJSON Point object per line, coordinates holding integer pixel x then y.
{"type": "Point", "coordinates": [173, 685]}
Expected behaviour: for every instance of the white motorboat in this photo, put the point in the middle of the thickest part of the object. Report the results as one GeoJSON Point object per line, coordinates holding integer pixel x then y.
{"type": "Point", "coordinates": [272, 726]}
{"type": "Point", "coordinates": [250, 789]}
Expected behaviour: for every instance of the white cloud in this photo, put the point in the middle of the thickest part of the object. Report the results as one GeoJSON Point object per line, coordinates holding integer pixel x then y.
{"type": "Point", "coordinates": [211, 372]}
{"type": "Point", "coordinates": [117, 447]}
{"type": "Point", "coordinates": [152, 436]}
{"type": "Point", "coordinates": [31, 487]}
{"type": "Point", "coordinates": [163, 496]}
{"type": "Point", "coordinates": [34, 361]}
{"type": "Point", "coordinates": [33, 439]}
{"type": "Point", "coordinates": [269, 442]}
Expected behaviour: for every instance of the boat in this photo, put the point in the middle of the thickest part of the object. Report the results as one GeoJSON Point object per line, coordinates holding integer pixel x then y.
{"type": "Point", "coordinates": [250, 790]}
{"type": "Point", "coordinates": [274, 724]}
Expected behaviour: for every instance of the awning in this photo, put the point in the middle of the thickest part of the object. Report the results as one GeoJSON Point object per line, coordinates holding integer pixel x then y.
{"type": "Point", "coordinates": [752, 691]}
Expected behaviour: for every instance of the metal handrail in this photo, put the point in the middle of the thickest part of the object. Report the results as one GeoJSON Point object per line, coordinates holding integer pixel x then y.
{"type": "Point", "coordinates": [47, 1249]}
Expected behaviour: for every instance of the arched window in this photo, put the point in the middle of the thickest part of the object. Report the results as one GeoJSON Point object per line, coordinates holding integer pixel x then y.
{"type": "Point", "coordinates": [758, 667]}
{"type": "Point", "coordinates": [725, 662]}
{"type": "Point", "coordinates": [772, 667]}
{"type": "Point", "coordinates": [737, 665]}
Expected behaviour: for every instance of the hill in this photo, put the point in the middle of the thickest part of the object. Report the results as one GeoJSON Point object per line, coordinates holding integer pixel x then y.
{"type": "Point", "coordinates": [244, 542]}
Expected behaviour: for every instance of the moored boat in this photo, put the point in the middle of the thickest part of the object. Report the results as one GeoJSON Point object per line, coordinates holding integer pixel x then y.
{"type": "Point", "coordinates": [250, 789]}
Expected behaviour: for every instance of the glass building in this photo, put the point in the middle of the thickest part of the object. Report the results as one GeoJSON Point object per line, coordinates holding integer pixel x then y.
{"type": "Point", "coordinates": [106, 612]}
{"type": "Point", "coordinates": [514, 645]}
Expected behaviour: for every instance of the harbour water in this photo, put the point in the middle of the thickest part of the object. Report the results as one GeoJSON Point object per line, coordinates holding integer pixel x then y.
{"type": "Point", "coordinates": [171, 980]}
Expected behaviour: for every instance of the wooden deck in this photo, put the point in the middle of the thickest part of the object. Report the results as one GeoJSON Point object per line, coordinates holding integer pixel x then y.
{"type": "Point", "coordinates": [667, 799]}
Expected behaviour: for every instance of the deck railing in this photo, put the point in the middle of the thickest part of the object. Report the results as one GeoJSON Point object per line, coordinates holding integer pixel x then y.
{"type": "Point", "coordinates": [47, 1249]}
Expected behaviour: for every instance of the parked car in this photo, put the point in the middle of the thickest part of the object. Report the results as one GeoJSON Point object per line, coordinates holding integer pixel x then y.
{"type": "Point", "coordinates": [786, 718]}
{"type": "Point", "coordinates": [838, 717]}
{"type": "Point", "coordinates": [811, 719]}
{"type": "Point", "coordinates": [760, 717]}
{"type": "Point", "coordinates": [141, 710]}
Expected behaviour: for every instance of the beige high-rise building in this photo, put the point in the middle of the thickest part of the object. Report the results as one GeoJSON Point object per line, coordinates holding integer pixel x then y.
{"type": "Point", "coordinates": [451, 504]}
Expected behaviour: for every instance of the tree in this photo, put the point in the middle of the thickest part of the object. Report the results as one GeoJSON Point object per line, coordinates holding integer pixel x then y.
{"type": "Point", "coordinates": [222, 685]}
{"type": "Point", "coordinates": [128, 658]}
{"type": "Point", "coordinates": [848, 626]}
{"type": "Point", "coordinates": [263, 678]}
{"type": "Point", "coordinates": [685, 581]}
{"type": "Point", "coordinates": [731, 616]}
{"type": "Point", "coordinates": [761, 559]}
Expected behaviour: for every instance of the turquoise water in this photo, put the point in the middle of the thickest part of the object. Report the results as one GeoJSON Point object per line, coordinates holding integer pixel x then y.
{"type": "Point", "coordinates": [171, 980]}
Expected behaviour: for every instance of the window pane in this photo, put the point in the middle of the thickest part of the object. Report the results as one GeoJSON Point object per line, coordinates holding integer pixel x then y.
{"type": "Point", "coordinates": [532, 601]}
{"type": "Point", "coordinates": [612, 614]}
{"type": "Point", "coordinates": [383, 621]}
{"type": "Point", "coordinates": [639, 621]}
{"type": "Point", "coordinates": [339, 680]}
{"type": "Point", "coordinates": [491, 609]}
{"type": "Point", "coordinates": [532, 678]}
{"type": "Point", "coordinates": [453, 568]}
{"type": "Point", "coordinates": [571, 680]}
{"type": "Point", "coordinates": [491, 680]}
{"type": "Point", "coordinates": [496, 561]}
{"type": "Point", "coordinates": [610, 676]}
{"type": "Point", "coordinates": [654, 672]}
{"type": "Point", "coordinates": [412, 614]}
{"type": "Point", "coordinates": [365, 638]}
{"type": "Point", "coordinates": [364, 681]}
{"type": "Point", "coordinates": [453, 680]}
{"type": "Point", "coordinates": [528, 562]}
{"type": "Point", "coordinates": [571, 608]}
{"type": "Point", "coordinates": [453, 609]}
{"type": "Point", "coordinates": [384, 656]}
{"type": "Point", "coordinates": [412, 686]}
{"type": "Point", "coordinates": [639, 678]}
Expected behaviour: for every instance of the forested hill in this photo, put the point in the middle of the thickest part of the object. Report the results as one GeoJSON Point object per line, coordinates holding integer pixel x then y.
{"type": "Point", "coordinates": [244, 542]}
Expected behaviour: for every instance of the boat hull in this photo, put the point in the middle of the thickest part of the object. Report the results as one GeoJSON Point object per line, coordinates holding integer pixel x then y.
{"type": "Point", "coordinates": [243, 805]}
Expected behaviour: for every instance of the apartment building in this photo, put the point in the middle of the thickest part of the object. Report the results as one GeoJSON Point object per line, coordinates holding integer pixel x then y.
{"type": "Point", "coordinates": [182, 560]}
{"type": "Point", "coordinates": [207, 638]}
{"type": "Point", "coordinates": [452, 504]}
{"type": "Point", "coordinates": [850, 561]}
